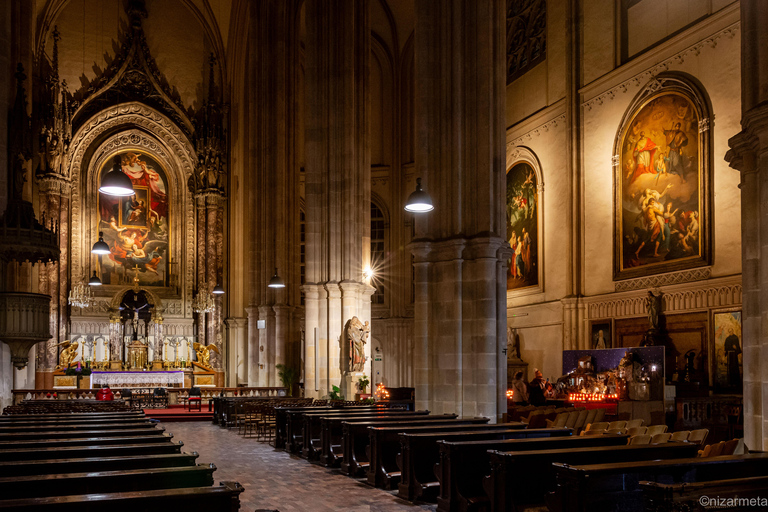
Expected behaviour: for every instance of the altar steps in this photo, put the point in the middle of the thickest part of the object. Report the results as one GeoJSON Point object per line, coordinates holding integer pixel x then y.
{"type": "Point", "coordinates": [179, 413]}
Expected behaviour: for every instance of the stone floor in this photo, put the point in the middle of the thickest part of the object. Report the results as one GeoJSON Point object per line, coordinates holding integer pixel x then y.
{"type": "Point", "coordinates": [275, 480]}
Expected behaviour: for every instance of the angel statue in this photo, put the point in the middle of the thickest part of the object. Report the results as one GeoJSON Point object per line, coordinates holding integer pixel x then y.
{"type": "Point", "coordinates": [68, 355]}
{"type": "Point", "coordinates": [357, 334]}
{"type": "Point", "coordinates": [204, 353]}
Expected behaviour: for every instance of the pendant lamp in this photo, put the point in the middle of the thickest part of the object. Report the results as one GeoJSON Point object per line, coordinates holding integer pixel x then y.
{"type": "Point", "coordinates": [101, 246]}
{"type": "Point", "coordinates": [419, 201]}
{"type": "Point", "coordinates": [116, 183]}
{"type": "Point", "coordinates": [276, 281]}
{"type": "Point", "coordinates": [94, 280]}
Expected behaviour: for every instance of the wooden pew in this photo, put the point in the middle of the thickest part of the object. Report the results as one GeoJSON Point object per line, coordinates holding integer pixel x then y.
{"type": "Point", "coordinates": [76, 422]}
{"type": "Point", "coordinates": [281, 419]}
{"type": "Point", "coordinates": [89, 451]}
{"type": "Point", "coordinates": [80, 415]}
{"type": "Point", "coordinates": [84, 441]}
{"type": "Point", "coordinates": [73, 434]}
{"type": "Point", "coordinates": [616, 485]}
{"type": "Point", "coordinates": [751, 493]}
{"type": "Point", "coordinates": [224, 498]}
{"type": "Point", "coordinates": [79, 465]}
{"type": "Point", "coordinates": [80, 426]}
{"type": "Point", "coordinates": [296, 421]}
{"type": "Point", "coordinates": [419, 453]}
{"type": "Point", "coordinates": [356, 439]}
{"type": "Point", "coordinates": [509, 488]}
{"type": "Point", "coordinates": [329, 447]}
{"type": "Point", "coordinates": [91, 482]}
{"type": "Point", "coordinates": [463, 465]}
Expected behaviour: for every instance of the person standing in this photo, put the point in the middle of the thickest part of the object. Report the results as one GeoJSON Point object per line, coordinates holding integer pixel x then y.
{"type": "Point", "coordinates": [519, 390]}
{"type": "Point", "coordinates": [536, 389]}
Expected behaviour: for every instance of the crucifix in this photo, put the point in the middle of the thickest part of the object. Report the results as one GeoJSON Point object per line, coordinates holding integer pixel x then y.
{"type": "Point", "coordinates": [135, 277]}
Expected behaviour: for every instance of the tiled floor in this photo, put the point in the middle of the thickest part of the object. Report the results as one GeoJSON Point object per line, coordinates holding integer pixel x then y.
{"type": "Point", "coordinates": [275, 480]}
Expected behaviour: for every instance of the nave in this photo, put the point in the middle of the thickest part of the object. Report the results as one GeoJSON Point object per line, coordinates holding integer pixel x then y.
{"type": "Point", "coordinates": [275, 480]}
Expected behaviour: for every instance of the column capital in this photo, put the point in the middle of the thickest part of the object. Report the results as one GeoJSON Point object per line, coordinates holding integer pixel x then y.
{"type": "Point", "coordinates": [750, 142]}
{"type": "Point", "coordinates": [333, 289]}
{"type": "Point", "coordinates": [311, 291]}
{"type": "Point", "coordinates": [236, 322]}
{"type": "Point", "coordinates": [54, 184]}
{"type": "Point", "coordinates": [282, 310]}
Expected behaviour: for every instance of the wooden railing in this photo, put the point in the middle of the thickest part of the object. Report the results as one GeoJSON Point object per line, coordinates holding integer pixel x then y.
{"type": "Point", "coordinates": [175, 395]}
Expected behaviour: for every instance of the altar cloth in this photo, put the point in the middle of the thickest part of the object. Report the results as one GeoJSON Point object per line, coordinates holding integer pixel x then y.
{"type": "Point", "coordinates": [140, 379]}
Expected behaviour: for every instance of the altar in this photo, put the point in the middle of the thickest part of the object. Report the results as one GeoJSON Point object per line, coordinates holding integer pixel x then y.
{"type": "Point", "coordinates": [138, 379]}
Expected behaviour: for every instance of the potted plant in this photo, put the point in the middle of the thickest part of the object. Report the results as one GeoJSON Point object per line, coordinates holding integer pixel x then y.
{"type": "Point", "coordinates": [362, 386]}
{"type": "Point", "coordinates": [288, 376]}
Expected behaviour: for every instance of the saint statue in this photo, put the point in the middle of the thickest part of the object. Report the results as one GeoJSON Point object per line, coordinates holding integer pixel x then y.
{"type": "Point", "coordinates": [204, 353]}
{"type": "Point", "coordinates": [68, 355]}
{"type": "Point", "coordinates": [357, 335]}
{"type": "Point", "coordinates": [653, 304]}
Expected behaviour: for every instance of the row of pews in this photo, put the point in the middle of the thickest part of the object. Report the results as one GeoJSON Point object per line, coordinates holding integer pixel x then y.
{"type": "Point", "coordinates": [120, 460]}
{"type": "Point", "coordinates": [467, 464]}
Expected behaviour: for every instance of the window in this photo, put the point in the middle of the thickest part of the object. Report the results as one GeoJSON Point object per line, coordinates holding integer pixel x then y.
{"type": "Point", "coordinates": [378, 254]}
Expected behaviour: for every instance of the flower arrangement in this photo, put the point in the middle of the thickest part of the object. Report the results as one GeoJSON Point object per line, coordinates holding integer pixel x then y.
{"type": "Point", "coordinates": [79, 370]}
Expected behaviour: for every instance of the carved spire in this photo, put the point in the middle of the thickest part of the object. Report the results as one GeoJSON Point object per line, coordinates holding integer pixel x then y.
{"type": "Point", "coordinates": [19, 138]}
{"type": "Point", "coordinates": [210, 138]}
{"type": "Point", "coordinates": [53, 117]}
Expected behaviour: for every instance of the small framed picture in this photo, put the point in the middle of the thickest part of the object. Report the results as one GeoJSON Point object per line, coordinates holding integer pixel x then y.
{"type": "Point", "coordinates": [601, 334]}
{"type": "Point", "coordinates": [727, 363]}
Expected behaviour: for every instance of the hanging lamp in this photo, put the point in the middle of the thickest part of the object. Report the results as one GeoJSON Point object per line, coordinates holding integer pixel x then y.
{"type": "Point", "coordinates": [419, 201]}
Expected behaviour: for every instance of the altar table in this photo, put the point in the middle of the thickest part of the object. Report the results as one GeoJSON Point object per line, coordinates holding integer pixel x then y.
{"type": "Point", "coordinates": [136, 379]}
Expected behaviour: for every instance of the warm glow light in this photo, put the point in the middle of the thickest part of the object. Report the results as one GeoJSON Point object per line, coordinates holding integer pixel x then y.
{"type": "Point", "coordinates": [510, 394]}
{"type": "Point", "coordinates": [367, 272]}
{"type": "Point", "coordinates": [591, 397]}
{"type": "Point", "coordinates": [381, 392]}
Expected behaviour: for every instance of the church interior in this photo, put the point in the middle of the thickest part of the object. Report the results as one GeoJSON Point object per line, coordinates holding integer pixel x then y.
{"type": "Point", "coordinates": [465, 207]}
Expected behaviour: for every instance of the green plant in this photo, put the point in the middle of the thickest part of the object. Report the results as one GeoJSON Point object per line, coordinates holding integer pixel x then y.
{"type": "Point", "coordinates": [288, 375]}
{"type": "Point", "coordinates": [335, 393]}
{"type": "Point", "coordinates": [363, 383]}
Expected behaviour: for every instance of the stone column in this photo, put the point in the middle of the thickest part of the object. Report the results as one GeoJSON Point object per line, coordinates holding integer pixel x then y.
{"type": "Point", "coordinates": [337, 178]}
{"type": "Point", "coordinates": [459, 324]}
{"type": "Point", "coordinates": [237, 359]}
{"type": "Point", "coordinates": [749, 155]}
{"type": "Point", "coordinates": [253, 346]}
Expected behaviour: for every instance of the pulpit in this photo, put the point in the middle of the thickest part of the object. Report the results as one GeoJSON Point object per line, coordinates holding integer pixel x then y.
{"type": "Point", "coordinates": [137, 355]}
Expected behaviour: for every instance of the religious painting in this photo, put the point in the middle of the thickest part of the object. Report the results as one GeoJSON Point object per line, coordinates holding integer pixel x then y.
{"type": "Point", "coordinates": [136, 227]}
{"type": "Point", "coordinates": [522, 226]}
{"type": "Point", "coordinates": [661, 187]}
{"type": "Point", "coordinates": [727, 366]}
{"type": "Point", "coordinates": [601, 334]}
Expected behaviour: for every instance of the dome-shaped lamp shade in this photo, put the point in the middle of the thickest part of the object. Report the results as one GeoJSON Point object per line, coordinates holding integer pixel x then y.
{"type": "Point", "coordinates": [94, 280]}
{"type": "Point", "coordinates": [116, 183]}
{"type": "Point", "coordinates": [218, 290]}
{"type": "Point", "coordinates": [419, 201]}
{"type": "Point", "coordinates": [276, 281]}
{"type": "Point", "coordinates": [101, 246]}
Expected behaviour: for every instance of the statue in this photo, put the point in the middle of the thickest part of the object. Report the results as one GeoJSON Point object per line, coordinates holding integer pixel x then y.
{"type": "Point", "coordinates": [513, 343]}
{"type": "Point", "coordinates": [68, 355]}
{"type": "Point", "coordinates": [357, 334]}
{"type": "Point", "coordinates": [653, 304]}
{"type": "Point", "coordinates": [204, 353]}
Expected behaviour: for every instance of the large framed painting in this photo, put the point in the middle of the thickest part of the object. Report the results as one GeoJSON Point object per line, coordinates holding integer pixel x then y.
{"type": "Point", "coordinates": [661, 182]}
{"type": "Point", "coordinates": [601, 334]}
{"type": "Point", "coordinates": [523, 226]}
{"type": "Point", "coordinates": [136, 228]}
{"type": "Point", "coordinates": [727, 363]}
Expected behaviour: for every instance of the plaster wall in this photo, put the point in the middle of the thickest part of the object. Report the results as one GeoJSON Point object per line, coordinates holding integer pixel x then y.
{"type": "Point", "coordinates": [716, 67]}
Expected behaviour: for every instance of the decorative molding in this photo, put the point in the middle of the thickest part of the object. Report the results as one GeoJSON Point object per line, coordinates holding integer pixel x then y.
{"type": "Point", "coordinates": [680, 299]}
{"type": "Point", "coordinates": [685, 276]}
{"type": "Point", "coordinates": [543, 128]}
{"type": "Point", "coordinates": [650, 73]}
{"type": "Point", "coordinates": [704, 125]}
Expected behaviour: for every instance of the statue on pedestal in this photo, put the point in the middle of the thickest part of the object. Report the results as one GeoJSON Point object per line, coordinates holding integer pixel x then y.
{"type": "Point", "coordinates": [357, 335]}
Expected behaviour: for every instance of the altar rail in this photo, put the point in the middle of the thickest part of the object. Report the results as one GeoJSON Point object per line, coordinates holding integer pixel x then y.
{"type": "Point", "coordinates": [175, 395]}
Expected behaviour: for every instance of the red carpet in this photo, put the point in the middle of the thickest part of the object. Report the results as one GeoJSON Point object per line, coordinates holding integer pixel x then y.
{"type": "Point", "coordinates": [179, 413]}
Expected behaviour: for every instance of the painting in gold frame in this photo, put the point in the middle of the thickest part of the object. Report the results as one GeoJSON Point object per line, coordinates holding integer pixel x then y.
{"type": "Point", "coordinates": [727, 356]}
{"type": "Point", "coordinates": [661, 184]}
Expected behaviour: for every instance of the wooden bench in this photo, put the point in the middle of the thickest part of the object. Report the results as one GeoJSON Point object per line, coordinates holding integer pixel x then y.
{"type": "Point", "coordinates": [420, 452]}
{"type": "Point", "coordinates": [616, 486]}
{"type": "Point", "coordinates": [70, 415]}
{"type": "Point", "coordinates": [79, 465]}
{"type": "Point", "coordinates": [80, 426]}
{"type": "Point", "coordinates": [73, 434]}
{"type": "Point", "coordinates": [224, 498]}
{"type": "Point", "coordinates": [300, 436]}
{"type": "Point", "coordinates": [294, 429]}
{"type": "Point", "coordinates": [748, 494]}
{"type": "Point", "coordinates": [510, 489]}
{"type": "Point", "coordinates": [356, 439]}
{"type": "Point", "coordinates": [329, 446]}
{"type": "Point", "coordinates": [463, 465]}
{"type": "Point", "coordinates": [89, 451]}
{"type": "Point", "coordinates": [84, 441]}
{"type": "Point", "coordinates": [75, 422]}
{"type": "Point", "coordinates": [91, 482]}
{"type": "Point", "coordinates": [281, 419]}
{"type": "Point", "coordinates": [312, 427]}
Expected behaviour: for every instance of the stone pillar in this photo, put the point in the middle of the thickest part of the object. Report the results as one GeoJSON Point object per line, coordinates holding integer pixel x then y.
{"type": "Point", "coordinates": [266, 346]}
{"type": "Point", "coordinates": [237, 360]}
{"type": "Point", "coordinates": [311, 344]}
{"type": "Point", "coordinates": [749, 155]}
{"type": "Point", "coordinates": [252, 339]}
{"type": "Point", "coordinates": [459, 324]}
{"type": "Point", "coordinates": [337, 180]}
